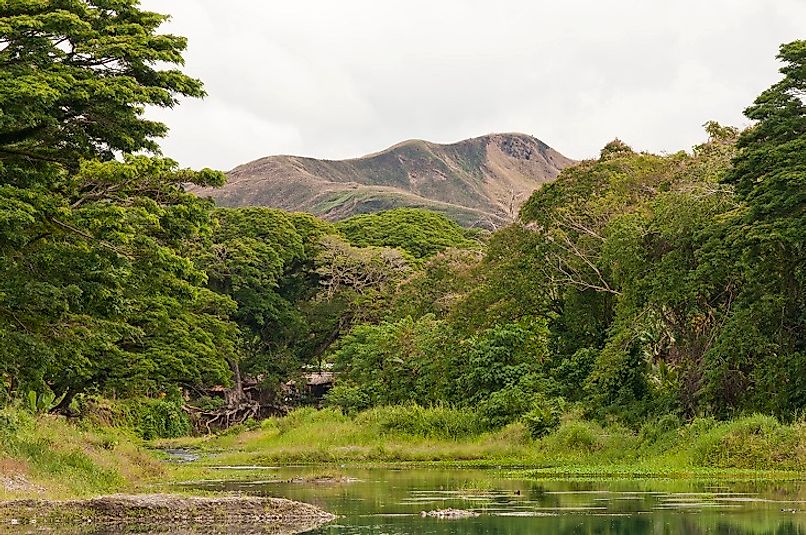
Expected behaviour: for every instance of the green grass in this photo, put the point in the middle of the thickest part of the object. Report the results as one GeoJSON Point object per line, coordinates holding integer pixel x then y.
{"type": "Point", "coordinates": [90, 457]}
{"type": "Point", "coordinates": [62, 459]}
{"type": "Point", "coordinates": [403, 435]}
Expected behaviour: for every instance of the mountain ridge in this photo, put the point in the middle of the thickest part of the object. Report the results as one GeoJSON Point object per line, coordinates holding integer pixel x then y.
{"type": "Point", "coordinates": [479, 181]}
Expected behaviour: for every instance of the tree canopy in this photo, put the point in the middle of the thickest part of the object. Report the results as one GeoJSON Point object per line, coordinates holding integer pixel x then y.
{"type": "Point", "coordinates": [420, 233]}
{"type": "Point", "coordinates": [94, 293]}
{"type": "Point", "coordinates": [75, 77]}
{"type": "Point", "coordinates": [635, 285]}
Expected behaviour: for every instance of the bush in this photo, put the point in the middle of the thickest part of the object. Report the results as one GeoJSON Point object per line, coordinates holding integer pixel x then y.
{"type": "Point", "coordinates": [307, 416]}
{"type": "Point", "coordinates": [662, 432]}
{"type": "Point", "coordinates": [543, 418]}
{"type": "Point", "coordinates": [350, 399]}
{"type": "Point", "coordinates": [414, 420]}
{"type": "Point", "coordinates": [578, 435]}
{"type": "Point", "coordinates": [156, 418]}
{"type": "Point", "coordinates": [504, 407]}
{"type": "Point", "coordinates": [756, 442]}
{"type": "Point", "coordinates": [11, 423]}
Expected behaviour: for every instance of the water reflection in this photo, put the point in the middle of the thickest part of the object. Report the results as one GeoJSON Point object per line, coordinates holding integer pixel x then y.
{"type": "Point", "coordinates": [390, 501]}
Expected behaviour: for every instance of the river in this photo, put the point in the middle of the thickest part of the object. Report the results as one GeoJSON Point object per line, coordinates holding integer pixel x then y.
{"type": "Point", "coordinates": [391, 501]}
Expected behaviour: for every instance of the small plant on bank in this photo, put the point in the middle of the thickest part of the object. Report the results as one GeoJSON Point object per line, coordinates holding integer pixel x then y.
{"type": "Point", "coordinates": [544, 418]}
{"type": "Point", "coordinates": [43, 402]}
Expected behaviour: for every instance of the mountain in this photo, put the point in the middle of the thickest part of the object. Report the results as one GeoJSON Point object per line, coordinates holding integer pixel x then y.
{"type": "Point", "coordinates": [477, 182]}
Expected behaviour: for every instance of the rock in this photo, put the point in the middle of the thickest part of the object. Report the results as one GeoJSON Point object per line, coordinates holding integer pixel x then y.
{"type": "Point", "coordinates": [271, 515]}
{"type": "Point", "coordinates": [19, 484]}
{"type": "Point", "coordinates": [323, 480]}
{"type": "Point", "coordinates": [449, 514]}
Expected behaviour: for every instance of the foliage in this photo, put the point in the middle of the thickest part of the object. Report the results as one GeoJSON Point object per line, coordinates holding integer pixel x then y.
{"type": "Point", "coordinates": [498, 371]}
{"type": "Point", "coordinates": [578, 435]}
{"type": "Point", "coordinates": [351, 399]}
{"type": "Point", "coordinates": [421, 233]}
{"type": "Point", "coordinates": [155, 418]}
{"type": "Point", "coordinates": [404, 361]}
{"type": "Point", "coordinates": [657, 289]}
{"type": "Point", "coordinates": [757, 362]}
{"type": "Point", "coordinates": [70, 459]}
{"type": "Point", "coordinates": [504, 406]}
{"type": "Point", "coordinates": [501, 357]}
{"type": "Point", "coordinates": [41, 403]}
{"type": "Point", "coordinates": [645, 289]}
{"type": "Point", "coordinates": [576, 447]}
{"type": "Point", "coordinates": [256, 257]}
{"type": "Point", "coordinates": [75, 78]}
{"type": "Point", "coordinates": [358, 269]}
{"type": "Point", "coordinates": [418, 421]}
{"type": "Point", "coordinates": [438, 286]}
{"type": "Point", "coordinates": [504, 286]}
{"type": "Point", "coordinates": [752, 442]}
{"type": "Point", "coordinates": [94, 292]}
{"type": "Point", "coordinates": [543, 418]}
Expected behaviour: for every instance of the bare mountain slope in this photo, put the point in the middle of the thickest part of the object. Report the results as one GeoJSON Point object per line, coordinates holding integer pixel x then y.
{"type": "Point", "coordinates": [477, 182]}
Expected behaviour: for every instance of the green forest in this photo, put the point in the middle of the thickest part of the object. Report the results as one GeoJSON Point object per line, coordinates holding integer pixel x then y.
{"type": "Point", "coordinates": [636, 288]}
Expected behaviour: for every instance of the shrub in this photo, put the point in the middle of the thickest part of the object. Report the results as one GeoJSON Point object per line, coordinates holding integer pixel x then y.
{"type": "Point", "coordinates": [504, 359]}
{"type": "Point", "coordinates": [755, 441]}
{"type": "Point", "coordinates": [504, 406]}
{"type": "Point", "coordinates": [662, 432]}
{"type": "Point", "coordinates": [578, 435]}
{"type": "Point", "coordinates": [156, 418]}
{"type": "Point", "coordinates": [543, 418]}
{"type": "Point", "coordinates": [11, 423]}
{"type": "Point", "coordinates": [306, 416]}
{"type": "Point", "coordinates": [350, 399]}
{"type": "Point", "coordinates": [701, 425]}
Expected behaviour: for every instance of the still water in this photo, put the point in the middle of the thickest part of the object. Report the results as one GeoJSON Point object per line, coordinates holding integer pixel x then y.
{"type": "Point", "coordinates": [390, 502]}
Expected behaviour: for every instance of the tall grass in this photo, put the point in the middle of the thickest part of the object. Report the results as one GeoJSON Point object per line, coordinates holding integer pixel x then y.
{"type": "Point", "coordinates": [411, 433]}
{"type": "Point", "coordinates": [417, 421]}
{"type": "Point", "coordinates": [70, 459]}
{"type": "Point", "coordinates": [67, 459]}
{"type": "Point", "coordinates": [754, 442]}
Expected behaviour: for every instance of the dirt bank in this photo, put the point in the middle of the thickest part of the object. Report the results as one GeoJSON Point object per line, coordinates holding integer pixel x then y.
{"type": "Point", "coordinates": [165, 513]}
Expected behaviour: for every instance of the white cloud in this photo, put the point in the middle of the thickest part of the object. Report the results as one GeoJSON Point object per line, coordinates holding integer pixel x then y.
{"type": "Point", "coordinates": [340, 79]}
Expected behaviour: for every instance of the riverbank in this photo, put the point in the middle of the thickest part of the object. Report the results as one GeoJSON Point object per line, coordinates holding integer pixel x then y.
{"type": "Point", "coordinates": [754, 446]}
{"type": "Point", "coordinates": [59, 472]}
{"type": "Point", "coordinates": [50, 457]}
{"type": "Point", "coordinates": [47, 457]}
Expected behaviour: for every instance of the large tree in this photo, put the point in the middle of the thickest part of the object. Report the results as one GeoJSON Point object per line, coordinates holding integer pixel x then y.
{"type": "Point", "coordinates": [75, 77]}
{"type": "Point", "coordinates": [94, 292]}
{"type": "Point", "coordinates": [762, 350]}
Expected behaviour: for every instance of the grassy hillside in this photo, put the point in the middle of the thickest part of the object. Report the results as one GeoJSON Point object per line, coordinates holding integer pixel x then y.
{"type": "Point", "coordinates": [53, 457]}
{"type": "Point", "coordinates": [477, 182]}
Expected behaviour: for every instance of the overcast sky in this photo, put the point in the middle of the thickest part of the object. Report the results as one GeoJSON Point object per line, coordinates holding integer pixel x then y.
{"type": "Point", "coordinates": [338, 79]}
